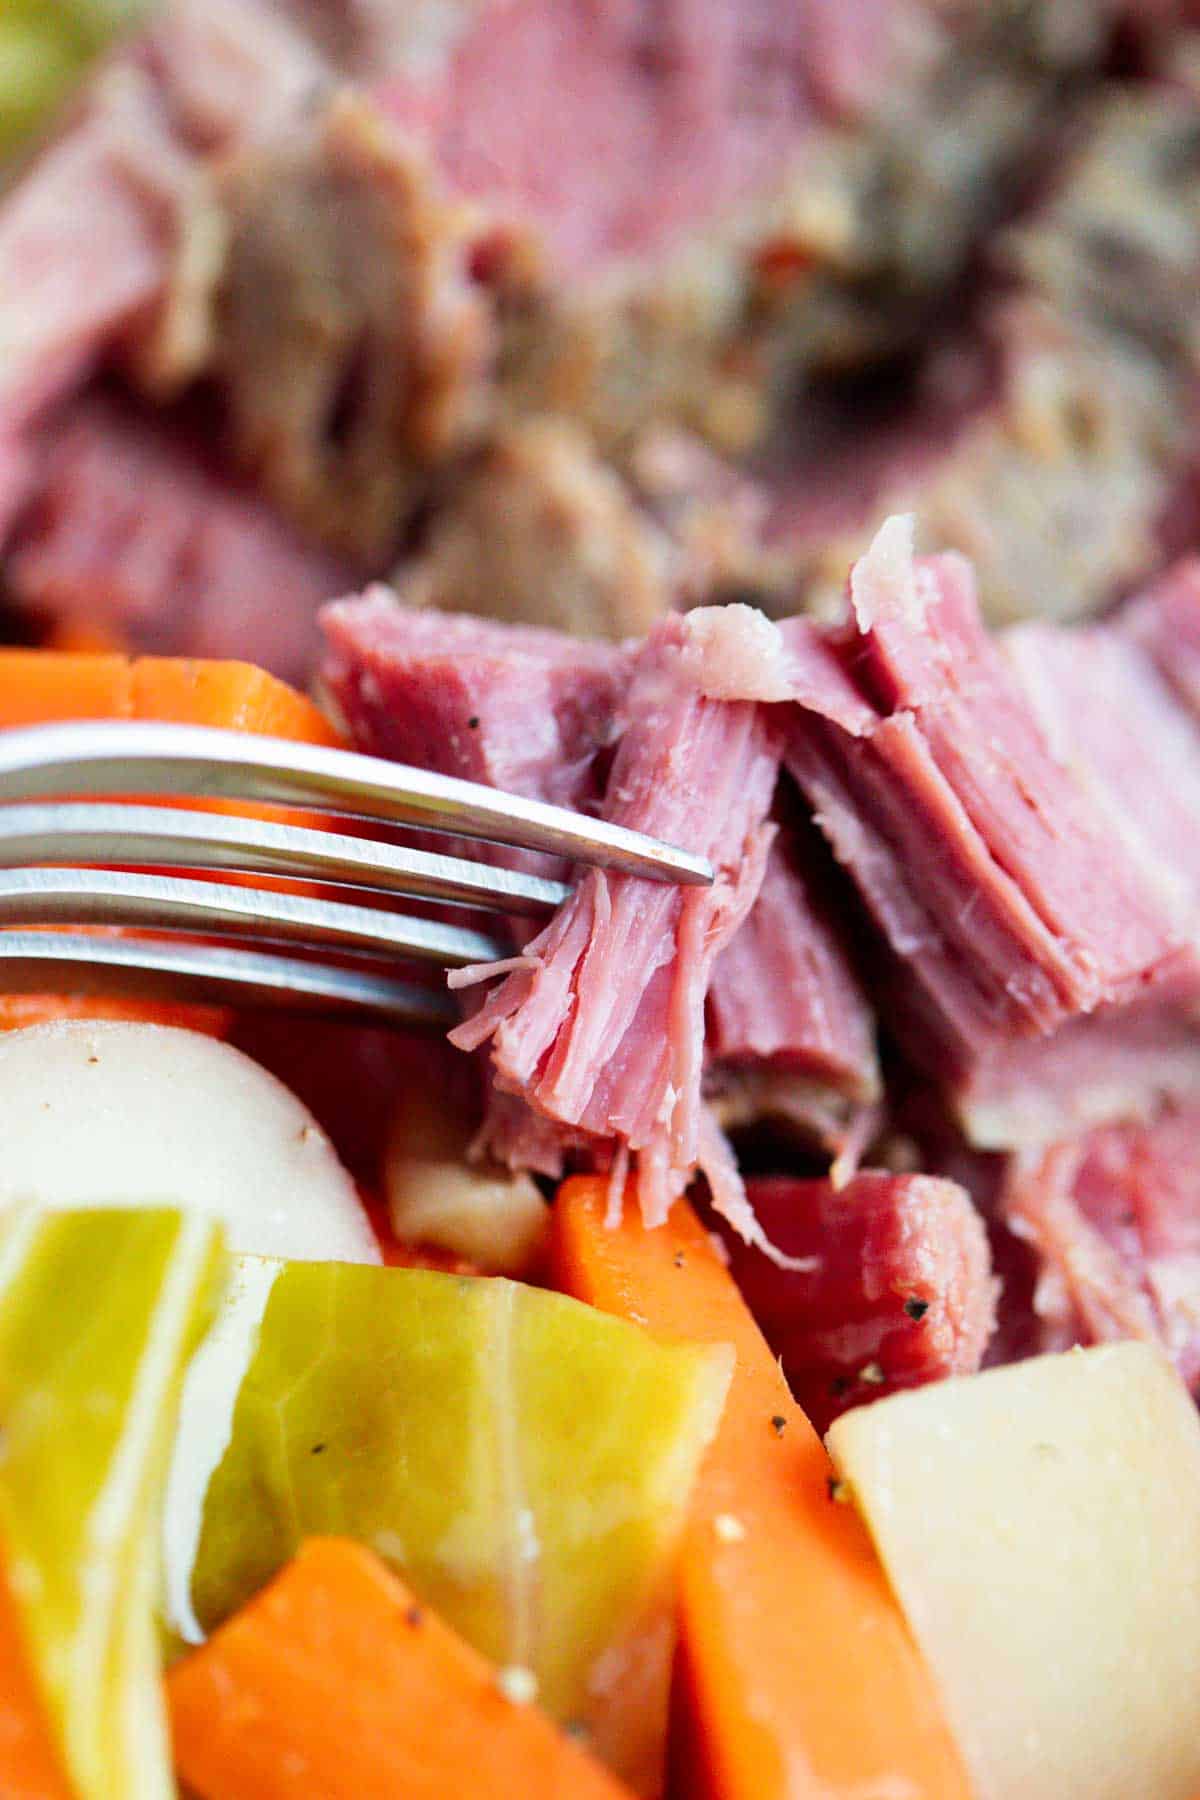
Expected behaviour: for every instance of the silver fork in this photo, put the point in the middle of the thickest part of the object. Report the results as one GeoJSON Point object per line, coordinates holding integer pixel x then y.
{"type": "Point", "coordinates": [37, 829]}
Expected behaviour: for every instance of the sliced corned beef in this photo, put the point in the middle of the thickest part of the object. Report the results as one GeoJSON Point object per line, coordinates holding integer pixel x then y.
{"type": "Point", "coordinates": [1165, 622]}
{"type": "Point", "coordinates": [89, 241]}
{"type": "Point", "coordinates": [129, 528]}
{"type": "Point", "coordinates": [1008, 905]}
{"type": "Point", "coordinates": [114, 238]}
{"type": "Point", "coordinates": [1146, 772]}
{"type": "Point", "coordinates": [789, 1033]}
{"type": "Point", "coordinates": [513, 706]}
{"type": "Point", "coordinates": [603, 1030]}
{"type": "Point", "coordinates": [897, 1290]}
{"type": "Point", "coordinates": [1114, 1217]}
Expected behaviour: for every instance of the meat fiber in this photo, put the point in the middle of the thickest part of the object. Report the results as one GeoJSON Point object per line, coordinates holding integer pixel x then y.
{"type": "Point", "coordinates": [893, 1286]}
{"type": "Point", "coordinates": [130, 530]}
{"type": "Point", "coordinates": [986, 866]}
{"type": "Point", "coordinates": [789, 1033]}
{"type": "Point", "coordinates": [604, 1029]}
{"type": "Point", "coordinates": [1114, 1217]}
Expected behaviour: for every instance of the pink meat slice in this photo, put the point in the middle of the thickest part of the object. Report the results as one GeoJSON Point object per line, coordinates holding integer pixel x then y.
{"type": "Point", "coordinates": [129, 528]}
{"type": "Point", "coordinates": [528, 711]}
{"type": "Point", "coordinates": [713, 95]}
{"type": "Point", "coordinates": [115, 178]}
{"type": "Point", "coordinates": [897, 1291]}
{"type": "Point", "coordinates": [1115, 1219]}
{"type": "Point", "coordinates": [604, 1031]}
{"type": "Point", "coordinates": [128, 174]}
{"type": "Point", "coordinates": [1009, 906]}
{"type": "Point", "coordinates": [1165, 621]}
{"type": "Point", "coordinates": [783, 992]}
{"type": "Point", "coordinates": [513, 706]}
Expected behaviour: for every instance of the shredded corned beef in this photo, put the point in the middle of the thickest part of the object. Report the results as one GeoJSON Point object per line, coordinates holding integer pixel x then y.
{"type": "Point", "coordinates": [606, 1032]}
{"type": "Point", "coordinates": [1114, 1217]}
{"type": "Point", "coordinates": [987, 866]}
{"type": "Point", "coordinates": [789, 1032]}
{"type": "Point", "coordinates": [891, 1285]}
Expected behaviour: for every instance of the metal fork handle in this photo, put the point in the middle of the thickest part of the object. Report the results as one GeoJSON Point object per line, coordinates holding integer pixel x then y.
{"type": "Point", "coordinates": [57, 961]}
{"type": "Point", "coordinates": [135, 757]}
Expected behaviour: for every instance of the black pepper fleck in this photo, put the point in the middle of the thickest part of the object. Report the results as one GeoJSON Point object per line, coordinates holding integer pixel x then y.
{"type": "Point", "coordinates": [414, 1617]}
{"type": "Point", "coordinates": [833, 1487]}
{"type": "Point", "coordinates": [840, 1385]}
{"type": "Point", "coordinates": [916, 1309]}
{"type": "Point", "coordinates": [778, 1424]}
{"type": "Point", "coordinates": [318, 1449]}
{"type": "Point", "coordinates": [473, 722]}
{"type": "Point", "coordinates": [679, 1259]}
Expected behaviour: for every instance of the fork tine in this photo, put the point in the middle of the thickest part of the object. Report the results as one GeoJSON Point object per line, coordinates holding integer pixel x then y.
{"type": "Point", "coordinates": [33, 962]}
{"type": "Point", "coordinates": [206, 908]}
{"type": "Point", "coordinates": [95, 832]}
{"type": "Point", "coordinates": [138, 758]}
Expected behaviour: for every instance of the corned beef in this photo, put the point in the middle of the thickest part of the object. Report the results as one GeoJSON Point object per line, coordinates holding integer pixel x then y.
{"type": "Point", "coordinates": [992, 875]}
{"type": "Point", "coordinates": [1114, 1217]}
{"type": "Point", "coordinates": [526, 710]}
{"type": "Point", "coordinates": [894, 1287]}
{"type": "Point", "coordinates": [104, 243]}
{"type": "Point", "coordinates": [603, 1030]}
{"type": "Point", "coordinates": [789, 1034]}
{"type": "Point", "coordinates": [129, 528]}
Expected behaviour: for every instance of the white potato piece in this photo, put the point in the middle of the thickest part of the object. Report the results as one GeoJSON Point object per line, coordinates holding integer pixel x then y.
{"type": "Point", "coordinates": [1041, 1527]}
{"type": "Point", "coordinates": [437, 1196]}
{"type": "Point", "coordinates": [99, 1112]}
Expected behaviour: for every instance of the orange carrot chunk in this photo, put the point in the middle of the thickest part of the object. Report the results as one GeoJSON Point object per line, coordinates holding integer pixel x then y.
{"type": "Point", "coordinates": [38, 687]}
{"type": "Point", "coordinates": [797, 1675]}
{"type": "Point", "coordinates": [29, 1765]}
{"type": "Point", "coordinates": [335, 1682]}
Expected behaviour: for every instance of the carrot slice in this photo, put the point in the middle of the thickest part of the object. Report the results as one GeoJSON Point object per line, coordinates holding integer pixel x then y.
{"type": "Point", "coordinates": [334, 1681]}
{"type": "Point", "coordinates": [236, 696]}
{"type": "Point", "coordinates": [29, 1765]}
{"type": "Point", "coordinates": [40, 686]}
{"type": "Point", "coordinates": [797, 1675]}
{"type": "Point", "coordinates": [19, 1010]}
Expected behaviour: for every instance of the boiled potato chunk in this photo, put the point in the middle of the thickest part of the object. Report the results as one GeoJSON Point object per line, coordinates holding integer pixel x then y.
{"type": "Point", "coordinates": [1041, 1527]}
{"type": "Point", "coordinates": [103, 1113]}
